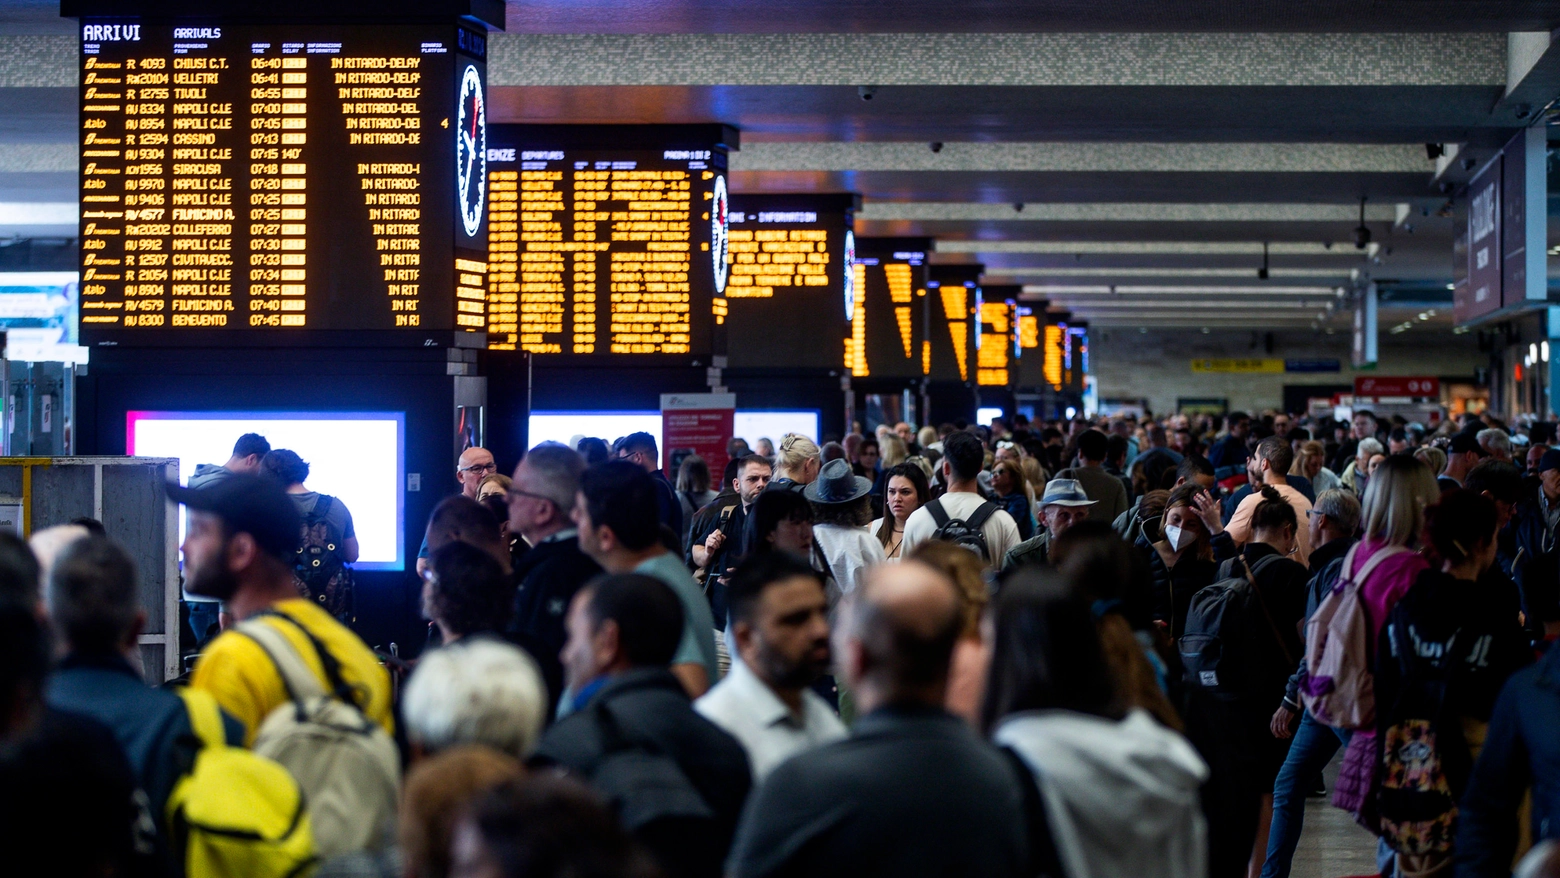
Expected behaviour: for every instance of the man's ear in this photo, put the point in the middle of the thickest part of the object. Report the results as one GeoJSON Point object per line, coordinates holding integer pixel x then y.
{"type": "Point", "coordinates": [605, 643]}
{"type": "Point", "coordinates": [242, 552]}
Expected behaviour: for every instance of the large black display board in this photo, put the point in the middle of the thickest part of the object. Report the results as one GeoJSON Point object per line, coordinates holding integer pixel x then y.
{"type": "Point", "coordinates": [608, 240]}
{"type": "Point", "coordinates": [791, 291]}
{"type": "Point", "coordinates": [891, 283]}
{"type": "Point", "coordinates": [264, 184]}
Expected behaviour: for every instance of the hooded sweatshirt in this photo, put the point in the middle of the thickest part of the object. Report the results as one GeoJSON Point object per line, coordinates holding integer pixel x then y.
{"type": "Point", "coordinates": [1121, 797]}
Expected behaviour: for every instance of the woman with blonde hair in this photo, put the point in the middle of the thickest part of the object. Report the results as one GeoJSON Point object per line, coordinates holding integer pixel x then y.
{"type": "Point", "coordinates": [1384, 566]}
{"type": "Point", "coordinates": [797, 462]}
{"type": "Point", "coordinates": [1311, 464]}
{"type": "Point", "coordinates": [892, 451]}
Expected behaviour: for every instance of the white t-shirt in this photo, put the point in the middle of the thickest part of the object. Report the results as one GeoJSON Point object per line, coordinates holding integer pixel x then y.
{"type": "Point", "coordinates": [753, 714]}
{"type": "Point", "coordinates": [849, 551]}
{"type": "Point", "coordinates": [1000, 531]}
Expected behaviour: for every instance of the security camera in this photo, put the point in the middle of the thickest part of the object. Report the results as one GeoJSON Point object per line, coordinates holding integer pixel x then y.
{"type": "Point", "coordinates": [1018, 207]}
{"type": "Point", "coordinates": [1434, 151]}
{"type": "Point", "coordinates": [1524, 110]}
{"type": "Point", "coordinates": [1361, 237]}
{"type": "Point", "coordinates": [936, 144]}
{"type": "Point", "coordinates": [866, 92]}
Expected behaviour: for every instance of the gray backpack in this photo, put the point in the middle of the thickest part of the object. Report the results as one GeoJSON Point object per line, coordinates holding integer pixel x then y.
{"type": "Point", "coordinates": [346, 764]}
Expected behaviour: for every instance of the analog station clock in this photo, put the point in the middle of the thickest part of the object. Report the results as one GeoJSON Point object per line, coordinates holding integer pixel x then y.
{"type": "Point", "coordinates": [471, 150]}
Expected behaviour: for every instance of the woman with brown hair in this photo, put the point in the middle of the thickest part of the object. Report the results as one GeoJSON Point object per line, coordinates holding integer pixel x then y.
{"type": "Point", "coordinates": [1188, 554]}
{"type": "Point", "coordinates": [904, 491]}
{"type": "Point", "coordinates": [1007, 479]}
{"type": "Point", "coordinates": [966, 685]}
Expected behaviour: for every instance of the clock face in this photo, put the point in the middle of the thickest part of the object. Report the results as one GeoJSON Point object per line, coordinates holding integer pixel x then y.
{"type": "Point", "coordinates": [850, 275]}
{"type": "Point", "coordinates": [471, 150]}
{"type": "Point", "coordinates": [718, 228]}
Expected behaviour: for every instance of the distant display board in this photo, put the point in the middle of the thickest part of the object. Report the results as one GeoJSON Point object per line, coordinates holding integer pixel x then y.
{"type": "Point", "coordinates": [890, 275]}
{"type": "Point", "coordinates": [607, 240]}
{"type": "Point", "coordinates": [241, 183]}
{"type": "Point", "coordinates": [996, 341]}
{"type": "Point", "coordinates": [954, 291]}
{"type": "Point", "coordinates": [792, 290]}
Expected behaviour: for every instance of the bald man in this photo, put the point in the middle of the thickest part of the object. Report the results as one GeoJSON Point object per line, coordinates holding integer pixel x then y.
{"type": "Point", "coordinates": [913, 791]}
{"type": "Point", "coordinates": [474, 465]}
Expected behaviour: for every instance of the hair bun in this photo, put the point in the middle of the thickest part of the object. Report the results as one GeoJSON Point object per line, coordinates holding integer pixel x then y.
{"type": "Point", "coordinates": [1271, 494]}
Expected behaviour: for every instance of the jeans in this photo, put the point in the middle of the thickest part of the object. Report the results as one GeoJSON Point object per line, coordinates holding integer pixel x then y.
{"type": "Point", "coordinates": [1310, 751]}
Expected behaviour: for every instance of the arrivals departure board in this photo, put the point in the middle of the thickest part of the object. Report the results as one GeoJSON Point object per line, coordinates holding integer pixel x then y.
{"type": "Point", "coordinates": [791, 291]}
{"type": "Point", "coordinates": [996, 339]}
{"type": "Point", "coordinates": [608, 240]}
{"type": "Point", "coordinates": [891, 285]}
{"type": "Point", "coordinates": [955, 292]}
{"type": "Point", "coordinates": [263, 184]}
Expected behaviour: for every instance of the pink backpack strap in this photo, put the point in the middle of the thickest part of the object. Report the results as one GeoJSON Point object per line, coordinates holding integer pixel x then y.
{"type": "Point", "coordinates": [1370, 563]}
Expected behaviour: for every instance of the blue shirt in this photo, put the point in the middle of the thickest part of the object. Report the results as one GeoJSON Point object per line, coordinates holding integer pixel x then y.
{"type": "Point", "coordinates": [698, 640]}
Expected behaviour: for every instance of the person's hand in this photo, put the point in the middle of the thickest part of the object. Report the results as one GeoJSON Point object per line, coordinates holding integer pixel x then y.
{"type": "Point", "coordinates": [1208, 510]}
{"type": "Point", "coordinates": [714, 540]}
{"type": "Point", "coordinates": [1283, 724]}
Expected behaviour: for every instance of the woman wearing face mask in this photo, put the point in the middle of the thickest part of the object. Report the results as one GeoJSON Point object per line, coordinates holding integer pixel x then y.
{"type": "Point", "coordinates": [1188, 556]}
{"type": "Point", "coordinates": [1231, 726]}
{"type": "Point", "coordinates": [1446, 635]}
{"type": "Point", "coordinates": [905, 491]}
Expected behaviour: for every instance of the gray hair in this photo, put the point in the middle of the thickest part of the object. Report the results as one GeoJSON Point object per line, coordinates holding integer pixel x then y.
{"type": "Point", "coordinates": [1368, 446]}
{"type": "Point", "coordinates": [1341, 508]}
{"type": "Point", "coordinates": [1494, 440]}
{"type": "Point", "coordinates": [92, 596]}
{"type": "Point", "coordinates": [1396, 498]}
{"type": "Point", "coordinates": [555, 469]}
{"type": "Point", "coordinates": [476, 691]}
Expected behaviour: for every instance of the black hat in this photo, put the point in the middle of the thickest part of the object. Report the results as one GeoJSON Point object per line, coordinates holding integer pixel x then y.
{"type": "Point", "coordinates": [250, 504]}
{"type": "Point", "coordinates": [1462, 443]}
{"type": "Point", "coordinates": [1548, 461]}
{"type": "Point", "coordinates": [837, 483]}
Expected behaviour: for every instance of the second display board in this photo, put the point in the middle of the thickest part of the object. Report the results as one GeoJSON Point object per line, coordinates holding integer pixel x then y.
{"type": "Point", "coordinates": [791, 293]}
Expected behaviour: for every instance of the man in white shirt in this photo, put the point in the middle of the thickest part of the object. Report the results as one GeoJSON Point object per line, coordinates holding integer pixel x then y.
{"type": "Point", "coordinates": [780, 623]}
{"type": "Point", "coordinates": [1267, 467]}
{"type": "Point", "coordinates": [961, 464]}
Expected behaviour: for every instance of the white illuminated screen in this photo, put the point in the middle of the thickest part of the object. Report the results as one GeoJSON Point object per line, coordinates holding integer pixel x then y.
{"type": "Point", "coordinates": [357, 457]}
{"type": "Point", "coordinates": [564, 427]}
{"type": "Point", "coordinates": [984, 416]}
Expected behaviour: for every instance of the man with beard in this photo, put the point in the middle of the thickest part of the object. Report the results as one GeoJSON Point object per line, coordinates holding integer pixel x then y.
{"type": "Point", "coordinates": [242, 539]}
{"type": "Point", "coordinates": [779, 616]}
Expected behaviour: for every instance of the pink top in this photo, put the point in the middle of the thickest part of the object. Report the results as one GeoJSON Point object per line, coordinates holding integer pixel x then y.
{"type": "Point", "coordinates": [1387, 584]}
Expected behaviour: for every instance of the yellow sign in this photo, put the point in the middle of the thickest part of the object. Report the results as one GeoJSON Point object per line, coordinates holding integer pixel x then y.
{"type": "Point", "coordinates": [1247, 366]}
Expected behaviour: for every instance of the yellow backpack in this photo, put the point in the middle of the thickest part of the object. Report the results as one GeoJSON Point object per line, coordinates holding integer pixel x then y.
{"type": "Point", "coordinates": [236, 813]}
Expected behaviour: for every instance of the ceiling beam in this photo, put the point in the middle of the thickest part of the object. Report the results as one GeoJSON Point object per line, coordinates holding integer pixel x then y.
{"type": "Point", "coordinates": [938, 211]}
{"type": "Point", "coordinates": [999, 59]}
{"type": "Point", "coordinates": [1356, 158]}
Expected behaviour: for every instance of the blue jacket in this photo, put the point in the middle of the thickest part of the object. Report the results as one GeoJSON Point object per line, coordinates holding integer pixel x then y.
{"type": "Point", "coordinates": [1527, 553]}
{"type": "Point", "coordinates": [1520, 750]}
{"type": "Point", "coordinates": [151, 725]}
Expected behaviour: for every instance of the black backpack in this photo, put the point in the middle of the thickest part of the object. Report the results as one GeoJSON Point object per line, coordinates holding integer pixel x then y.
{"type": "Point", "coordinates": [321, 571]}
{"type": "Point", "coordinates": [1216, 645]}
{"type": "Point", "coordinates": [963, 532]}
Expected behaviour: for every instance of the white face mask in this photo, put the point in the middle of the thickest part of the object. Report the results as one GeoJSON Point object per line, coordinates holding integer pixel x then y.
{"type": "Point", "coordinates": [1176, 537]}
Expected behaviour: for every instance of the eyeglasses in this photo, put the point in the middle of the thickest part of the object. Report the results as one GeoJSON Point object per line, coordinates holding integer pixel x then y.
{"type": "Point", "coordinates": [479, 468]}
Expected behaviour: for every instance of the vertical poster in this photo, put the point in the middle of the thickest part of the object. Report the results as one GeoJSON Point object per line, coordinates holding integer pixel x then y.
{"type": "Point", "coordinates": [696, 423]}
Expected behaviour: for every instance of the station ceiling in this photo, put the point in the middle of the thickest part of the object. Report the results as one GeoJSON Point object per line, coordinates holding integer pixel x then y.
{"type": "Point", "coordinates": [1126, 160]}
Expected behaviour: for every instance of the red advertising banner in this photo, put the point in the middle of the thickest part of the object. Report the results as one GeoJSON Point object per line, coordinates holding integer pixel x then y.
{"type": "Point", "coordinates": [696, 423]}
{"type": "Point", "coordinates": [1388, 385]}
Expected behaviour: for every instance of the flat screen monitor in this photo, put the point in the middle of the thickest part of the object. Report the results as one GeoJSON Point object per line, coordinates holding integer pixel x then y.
{"type": "Point", "coordinates": [566, 427]}
{"type": "Point", "coordinates": [358, 457]}
{"type": "Point", "coordinates": [38, 314]}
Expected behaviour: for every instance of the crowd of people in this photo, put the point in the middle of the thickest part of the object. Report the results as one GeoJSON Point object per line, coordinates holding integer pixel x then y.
{"type": "Point", "coordinates": [1119, 646]}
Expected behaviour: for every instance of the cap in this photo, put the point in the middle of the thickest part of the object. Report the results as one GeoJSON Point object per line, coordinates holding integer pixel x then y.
{"type": "Point", "coordinates": [1550, 460]}
{"type": "Point", "coordinates": [249, 504]}
{"type": "Point", "coordinates": [1462, 443]}
{"type": "Point", "coordinates": [1065, 492]}
{"type": "Point", "coordinates": [837, 483]}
